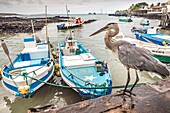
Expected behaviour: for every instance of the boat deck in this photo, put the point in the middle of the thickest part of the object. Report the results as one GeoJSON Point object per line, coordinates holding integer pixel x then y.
{"type": "Point", "coordinates": [84, 67]}
{"type": "Point", "coordinates": [89, 74]}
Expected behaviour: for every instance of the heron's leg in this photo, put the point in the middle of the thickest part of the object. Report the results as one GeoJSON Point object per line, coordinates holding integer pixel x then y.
{"type": "Point", "coordinates": [123, 92]}
{"type": "Point", "coordinates": [137, 80]}
{"type": "Point", "coordinates": [128, 80]}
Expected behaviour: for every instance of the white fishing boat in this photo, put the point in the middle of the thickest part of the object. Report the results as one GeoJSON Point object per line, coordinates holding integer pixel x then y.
{"type": "Point", "coordinates": [30, 69]}
{"type": "Point", "coordinates": [34, 64]}
{"type": "Point", "coordinates": [160, 52]}
{"type": "Point", "coordinates": [72, 23]}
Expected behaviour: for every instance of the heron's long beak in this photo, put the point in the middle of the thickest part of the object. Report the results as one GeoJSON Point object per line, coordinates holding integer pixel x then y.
{"type": "Point", "coordinates": [99, 31]}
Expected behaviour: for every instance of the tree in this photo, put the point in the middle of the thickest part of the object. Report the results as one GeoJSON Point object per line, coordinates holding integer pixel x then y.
{"type": "Point", "coordinates": [158, 4]}
{"type": "Point", "coordinates": [138, 6]}
{"type": "Point", "coordinates": [152, 5]}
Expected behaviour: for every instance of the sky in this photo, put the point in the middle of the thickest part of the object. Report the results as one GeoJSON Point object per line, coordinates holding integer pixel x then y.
{"type": "Point", "coordinates": [75, 6]}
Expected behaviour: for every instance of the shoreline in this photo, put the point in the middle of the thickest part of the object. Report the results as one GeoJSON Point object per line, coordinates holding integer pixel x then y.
{"type": "Point", "coordinates": [13, 25]}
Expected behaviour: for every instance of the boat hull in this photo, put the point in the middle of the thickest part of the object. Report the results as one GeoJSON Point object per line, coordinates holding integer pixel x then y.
{"type": "Point", "coordinates": [165, 59]}
{"type": "Point", "coordinates": [88, 93]}
{"type": "Point", "coordinates": [125, 19]}
{"type": "Point", "coordinates": [71, 26]}
{"type": "Point", "coordinates": [159, 39]}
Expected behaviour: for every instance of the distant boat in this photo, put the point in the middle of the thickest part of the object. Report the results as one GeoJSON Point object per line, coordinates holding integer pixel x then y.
{"type": "Point", "coordinates": [144, 22]}
{"type": "Point", "coordinates": [32, 64]}
{"type": "Point", "coordinates": [125, 19]}
{"type": "Point", "coordinates": [71, 23]}
{"type": "Point", "coordinates": [152, 35]}
{"type": "Point", "coordinates": [79, 68]}
{"type": "Point", "coordinates": [140, 30]}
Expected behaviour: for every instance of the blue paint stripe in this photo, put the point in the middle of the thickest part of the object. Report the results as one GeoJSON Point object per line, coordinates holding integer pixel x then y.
{"type": "Point", "coordinates": [28, 39]}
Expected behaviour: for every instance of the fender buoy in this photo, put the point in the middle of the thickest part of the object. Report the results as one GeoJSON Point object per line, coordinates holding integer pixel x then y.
{"type": "Point", "coordinates": [56, 66]}
{"type": "Point", "coordinates": [58, 73]}
{"type": "Point", "coordinates": [51, 44]}
{"type": "Point", "coordinates": [24, 89]}
{"type": "Point", "coordinates": [164, 43]}
{"type": "Point", "coordinates": [54, 54]}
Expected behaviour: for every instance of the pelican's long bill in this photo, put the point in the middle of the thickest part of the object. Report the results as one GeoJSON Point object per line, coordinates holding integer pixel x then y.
{"type": "Point", "coordinates": [100, 30]}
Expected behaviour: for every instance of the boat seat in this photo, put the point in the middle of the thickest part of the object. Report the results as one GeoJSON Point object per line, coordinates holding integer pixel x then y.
{"type": "Point", "coordinates": [76, 61]}
{"type": "Point", "coordinates": [27, 63]}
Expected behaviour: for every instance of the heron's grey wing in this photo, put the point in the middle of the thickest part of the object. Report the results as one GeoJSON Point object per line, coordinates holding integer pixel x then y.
{"type": "Point", "coordinates": [137, 58]}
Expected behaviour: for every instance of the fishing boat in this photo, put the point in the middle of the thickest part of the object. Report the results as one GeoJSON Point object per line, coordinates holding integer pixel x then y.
{"type": "Point", "coordinates": [152, 35]}
{"type": "Point", "coordinates": [144, 22]}
{"type": "Point", "coordinates": [162, 53]}
{"type": "Point", "coordinates": [140, 30]}
{"type": "Point", "coordinates": [23, 75]}
{"type": "Point", "coordinates": [71, 23]}
{"type": "Point", "coordinates": [125, 19]}
{"type": "Point", "coordinates": [83, 71]}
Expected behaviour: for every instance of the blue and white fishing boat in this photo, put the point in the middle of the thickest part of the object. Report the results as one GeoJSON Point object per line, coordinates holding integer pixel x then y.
{"type": "Point", "coordinates": [140, 30]}
{"type": "Point", "coordinates": [21, 77]}
{"type": "Point", "coordinates": [152, 35]}
{"type": "Point", "coordinates": [79, 68]}
{"type": "Point", "coordinates": [144, 22]}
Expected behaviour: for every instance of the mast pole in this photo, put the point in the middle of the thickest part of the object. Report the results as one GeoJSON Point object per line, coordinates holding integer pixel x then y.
{"type": "Point", "coordinates": [47, 38]}
{"type": "Point", "coordinates": [68, 21]}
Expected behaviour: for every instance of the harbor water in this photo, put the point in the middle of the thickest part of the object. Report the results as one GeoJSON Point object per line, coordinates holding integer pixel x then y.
{"type": "Point", "coordinates": [60, 96]}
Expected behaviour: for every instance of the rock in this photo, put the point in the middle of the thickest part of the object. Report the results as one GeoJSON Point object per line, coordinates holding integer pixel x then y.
{"type": "Point", "coordinates": [147, 100]}
{"type": "Point", "coordinates": [12, 25]}
{"type": "Point", "coordinates": [89, 21]}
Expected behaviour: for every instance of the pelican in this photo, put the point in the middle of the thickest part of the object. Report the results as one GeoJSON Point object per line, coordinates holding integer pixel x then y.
{"type": "Point", "coordinates": [131, 56]}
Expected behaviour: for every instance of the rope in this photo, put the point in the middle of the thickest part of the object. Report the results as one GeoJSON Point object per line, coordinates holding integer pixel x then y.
{"type": "Point", "coordinates": [13, 81]}
{"type": "Point", "coordinates": [113, 87]}
{"type": "Point", "coordinates": [96, 86]}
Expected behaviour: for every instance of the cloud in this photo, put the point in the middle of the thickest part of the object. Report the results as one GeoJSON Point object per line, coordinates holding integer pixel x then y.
{"type": "Point", "coordinates": [40, 2]}
{"type": "Point", "coordinates": [76, 6]}
{"type": "Point", "coordinates": [29, 1]}
{"type": "Point", "coordinates": [5, 3]}
{"type": "Point", "coordinates": [10, 2]}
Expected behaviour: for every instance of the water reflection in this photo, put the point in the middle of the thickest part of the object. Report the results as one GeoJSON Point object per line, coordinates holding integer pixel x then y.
{"type": "Point", "coordinates": [60, 97]}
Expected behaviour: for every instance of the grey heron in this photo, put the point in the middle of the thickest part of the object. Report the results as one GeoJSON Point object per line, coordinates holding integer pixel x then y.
{"type": "Point", "coordinates": [131, 56]}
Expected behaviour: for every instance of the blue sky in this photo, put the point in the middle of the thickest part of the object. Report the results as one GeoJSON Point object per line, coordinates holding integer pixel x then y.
{"type": "Point", "coordinates": [75, 6]}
